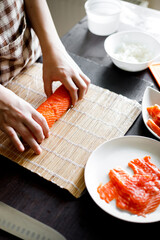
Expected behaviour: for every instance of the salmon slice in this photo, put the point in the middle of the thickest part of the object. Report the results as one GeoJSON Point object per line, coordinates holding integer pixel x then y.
{"type": "Point", "coordinates": [144, 166]}
{"type": "Point", "coordinates": [130, 195]}
{"type": "Point", "coordinates": [155, 128]}
{"type": "Point", "coordinates": [107, 192]}
{"type": "Point", "coordinates": [138, 194]}
{"type": "Point", "coordinates": [154, 112]}
{"type": "Point", "coordinates": [55, 106]}
{"type": "Point", "coordinates": [155, 70]}
{"type": "Point", "coordinates": [154, 123]}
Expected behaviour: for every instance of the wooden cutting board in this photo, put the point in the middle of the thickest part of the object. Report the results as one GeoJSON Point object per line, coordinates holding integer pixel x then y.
{"type": "Point", "coordinates": [99, 117]}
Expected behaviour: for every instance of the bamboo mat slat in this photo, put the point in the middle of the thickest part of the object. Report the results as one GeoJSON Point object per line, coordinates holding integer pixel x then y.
{"type": "Point", "coordinates": [100, 116]}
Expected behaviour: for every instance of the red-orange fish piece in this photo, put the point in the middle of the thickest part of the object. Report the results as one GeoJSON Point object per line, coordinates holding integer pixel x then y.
{"type": "Point", "coordinates": [154, 122]}
{"type": "Point", "coordinates": [138, 194]}
{"type": "Point", "coordinates": [155, 128]}
{"type": "Point", "coordinates": [154, 112]}
{"type": "Point", "coordinates": [55, 106]}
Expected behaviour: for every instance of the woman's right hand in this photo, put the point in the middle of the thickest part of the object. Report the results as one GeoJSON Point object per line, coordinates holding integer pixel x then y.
{"type": "Point", "coordinates": [18, 117]}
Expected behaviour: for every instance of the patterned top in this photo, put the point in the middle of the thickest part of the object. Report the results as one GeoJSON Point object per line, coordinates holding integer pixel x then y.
{"type": "Point", "coordinates": [19, 45]}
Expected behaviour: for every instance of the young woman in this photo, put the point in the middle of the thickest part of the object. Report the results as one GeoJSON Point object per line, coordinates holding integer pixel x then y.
{"type": "Point", "coordinates": [27, 31]}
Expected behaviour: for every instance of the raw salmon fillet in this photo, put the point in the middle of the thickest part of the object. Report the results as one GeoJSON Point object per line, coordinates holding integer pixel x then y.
{"type": "Point", "coordinates": [154, 121]}
{"type": "Point", "coordinates": [152, 124]}
{"type": "Point", "coordinates": [155, 70]}
{"type": "Point", "coordinates": [55, 106]}
{"type": "Point", "coordinates": [138, 194]}
{"type": "Point", "coordinates": [154, 112]}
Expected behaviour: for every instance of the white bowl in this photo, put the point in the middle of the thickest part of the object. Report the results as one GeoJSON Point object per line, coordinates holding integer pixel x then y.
{"type": "Point", "coordinates": [114, 42]}
{"type": "Point", "coordinates": [103, 16]}
{"type": "Point", "coordinates": [150, 98]}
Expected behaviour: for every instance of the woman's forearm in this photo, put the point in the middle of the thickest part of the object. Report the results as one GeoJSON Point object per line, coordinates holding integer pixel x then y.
{"type": "Point", "coordinates": [42, 23]}
{"type": "Point", "coordinates": [57, 64]}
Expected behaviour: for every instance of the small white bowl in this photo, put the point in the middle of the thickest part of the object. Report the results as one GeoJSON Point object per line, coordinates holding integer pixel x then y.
{"type": "Point", "coordinates": [103, 16]}
{"type": "Point", "coordinates": [150, 98]}
{"type": "Point", "coordinates": [114, 42]}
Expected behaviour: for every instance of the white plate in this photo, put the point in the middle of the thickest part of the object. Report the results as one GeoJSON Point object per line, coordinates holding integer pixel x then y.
{"type": "Point", "coordinates": [118, 152]}
{"type": "Point", "coordinates": [150, 97]}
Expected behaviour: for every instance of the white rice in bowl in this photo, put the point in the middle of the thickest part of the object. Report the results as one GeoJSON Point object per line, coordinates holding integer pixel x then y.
{"type": "Point", "coordinates": [133, 53]}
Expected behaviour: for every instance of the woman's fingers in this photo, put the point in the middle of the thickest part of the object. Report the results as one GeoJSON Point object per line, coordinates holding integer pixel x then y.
{"type": "Point", "coordinates": [77, 87]}
{"type": "Point", "coordinates": [29, 137]}
{"type": "Point", "coordinates": [72, 89]}
{"type": "Point", "coordinates": [35, 129]}
{"type": "Point", "coordinates": [39, 118]}
{"type": "Point", "coordinates": [32, 130]}
{"type": "Point", "coordinates": [81, 87]}
{"type": "Point", "coordinates": [26, 136]}
{"type": "Point", "coordinates": [48, 88]}
{"type": "Point", "coordinates": [86, 80]}
{"type": "Point", "coordinates": [37, 125]}
{"type": "Point", "coordinates": [82, 83]}
{"type": "Point", "coordinates": [14, 138]}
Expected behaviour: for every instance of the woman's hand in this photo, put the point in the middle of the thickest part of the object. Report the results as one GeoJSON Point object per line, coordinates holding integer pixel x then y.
{"type": "Point", "coordinates": [19, 117]}
{"type": "Point", "coordinates": [59, 66]}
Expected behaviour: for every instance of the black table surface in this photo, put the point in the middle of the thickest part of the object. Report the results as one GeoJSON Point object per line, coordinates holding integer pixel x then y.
{"type": "Point", "coordinates": [78, 219]}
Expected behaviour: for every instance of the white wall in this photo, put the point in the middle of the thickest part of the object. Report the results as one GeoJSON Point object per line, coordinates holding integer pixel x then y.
{"type": "Point", "coordinates": [66, 13]}
{"type": "Point", "coordinates": [154, 4]}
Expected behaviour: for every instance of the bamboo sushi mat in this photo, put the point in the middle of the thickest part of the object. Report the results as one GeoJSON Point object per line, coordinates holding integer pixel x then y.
{"type": "Point", "coordinates": [100, 116]}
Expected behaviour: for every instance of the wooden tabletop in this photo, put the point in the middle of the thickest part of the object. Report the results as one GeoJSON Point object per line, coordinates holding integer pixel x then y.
{"type": "Point", "coordinates": [82, 219]}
